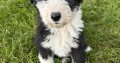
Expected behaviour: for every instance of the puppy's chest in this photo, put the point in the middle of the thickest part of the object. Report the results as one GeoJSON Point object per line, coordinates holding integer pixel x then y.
{"type": "Point", "coordinates": [60, 41]}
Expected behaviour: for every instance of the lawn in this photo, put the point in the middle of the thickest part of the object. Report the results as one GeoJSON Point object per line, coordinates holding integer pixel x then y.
{"type": "Point", "coordinates": [18, 23]}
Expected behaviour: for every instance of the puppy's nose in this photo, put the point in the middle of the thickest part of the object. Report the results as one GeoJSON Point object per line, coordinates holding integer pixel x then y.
{"type": "Point", "coordinates": [55, 16]}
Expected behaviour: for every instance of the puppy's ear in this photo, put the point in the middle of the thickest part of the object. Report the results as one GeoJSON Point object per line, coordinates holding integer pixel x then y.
{"type": "Point", "coordinates": [31, 1]}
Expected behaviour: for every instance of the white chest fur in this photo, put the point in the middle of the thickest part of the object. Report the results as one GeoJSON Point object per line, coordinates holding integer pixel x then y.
{"type": "Point", "coordinates": [60, 41]}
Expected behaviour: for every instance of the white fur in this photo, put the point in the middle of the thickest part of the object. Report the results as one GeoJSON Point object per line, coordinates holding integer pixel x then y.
{"type": "Point", "coordinates": [88, 49]}
{"type": "Point", "coordinates": [61, 39]}
{"type": "Point", "coordinates": [47, 7]}
{"type": "Point", "coordinates": [49, 60]}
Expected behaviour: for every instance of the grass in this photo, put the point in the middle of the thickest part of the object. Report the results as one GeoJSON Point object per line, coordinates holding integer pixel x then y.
{"type": "Point", "coordinates": [18, 23]}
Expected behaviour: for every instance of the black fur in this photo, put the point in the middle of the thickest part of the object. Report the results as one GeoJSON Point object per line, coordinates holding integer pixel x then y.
{"type": "Point", "coordinates": [78, 54]}
{"type": "Point", "coordinates": [31, 1]}
{"type": "Point", "coordinates": [40, 36]}
{"type": "Point", "coordinates": [34, 1]}
{"type": "Point", "coordinates": [74, 3]}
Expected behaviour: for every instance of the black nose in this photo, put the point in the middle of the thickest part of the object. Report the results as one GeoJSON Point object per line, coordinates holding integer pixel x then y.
{"type": "Point", "coordinates": [55, 16]}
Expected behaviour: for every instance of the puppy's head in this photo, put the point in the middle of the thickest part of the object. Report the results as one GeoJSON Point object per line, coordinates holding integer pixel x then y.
{"type": "Point", "coordinates": [57, 13]}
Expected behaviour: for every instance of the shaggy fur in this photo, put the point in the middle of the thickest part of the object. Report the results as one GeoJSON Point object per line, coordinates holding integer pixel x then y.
{"type": "Point", "coordinates": [65, 37]}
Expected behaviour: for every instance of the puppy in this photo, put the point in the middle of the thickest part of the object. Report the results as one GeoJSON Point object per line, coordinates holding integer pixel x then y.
{"type": "Point", "coordinates": [60, 30]}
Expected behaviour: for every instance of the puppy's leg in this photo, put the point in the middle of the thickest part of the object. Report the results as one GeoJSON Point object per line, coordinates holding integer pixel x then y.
{"type": "Point", "coordinates": [45, 55]}
{"type": "Point", "coordinates": [48, 59]}
{"type": "Point", "coordinates": [78, 56]}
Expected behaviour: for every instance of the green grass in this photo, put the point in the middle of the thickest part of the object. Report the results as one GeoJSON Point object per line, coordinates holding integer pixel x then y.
{"type": "Point", "coordinates": [18, 23]}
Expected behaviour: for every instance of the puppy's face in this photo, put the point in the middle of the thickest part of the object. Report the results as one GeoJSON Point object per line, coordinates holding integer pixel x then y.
{"type": "Point", "coordinates": [57, 13]}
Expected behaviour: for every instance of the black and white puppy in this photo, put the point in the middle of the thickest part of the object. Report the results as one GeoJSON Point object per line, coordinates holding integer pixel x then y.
{"type": "Point", "coordinates": [60, 30]}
